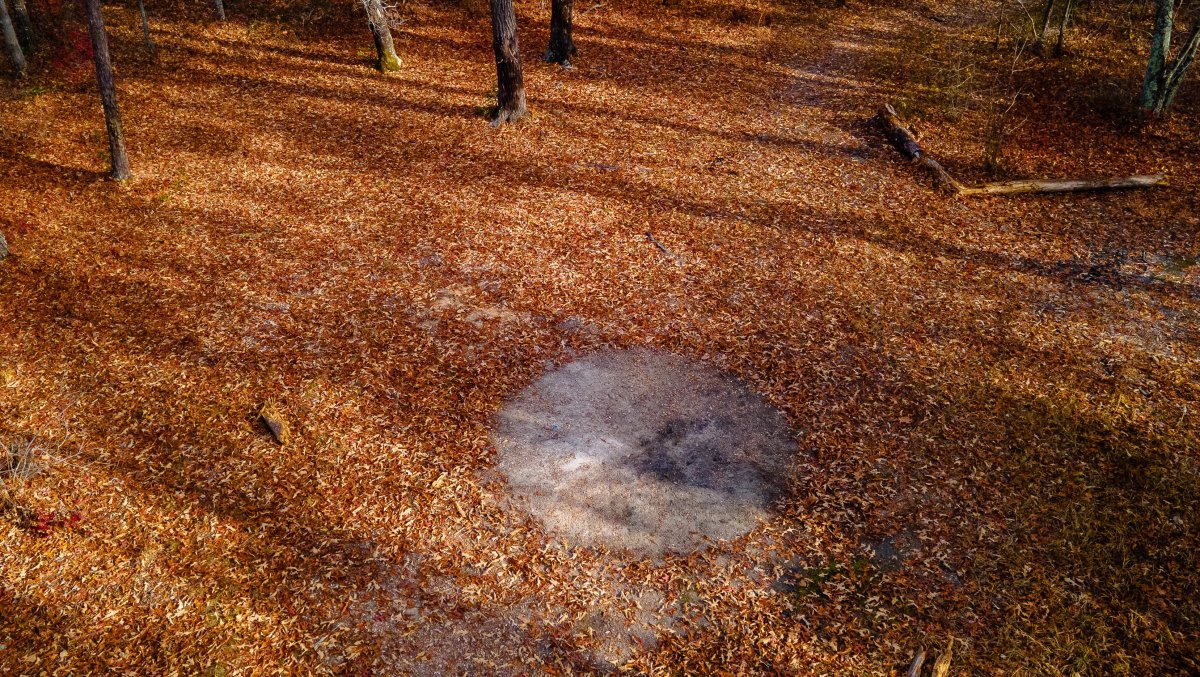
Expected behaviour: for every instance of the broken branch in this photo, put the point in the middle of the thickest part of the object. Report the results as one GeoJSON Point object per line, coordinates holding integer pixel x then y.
{"type": "Point", "coordinates": [914, 670]}
{"type": "Point", "coordinates": [904, 141]}
{"type": "Point", "coordinates": [663, 248]}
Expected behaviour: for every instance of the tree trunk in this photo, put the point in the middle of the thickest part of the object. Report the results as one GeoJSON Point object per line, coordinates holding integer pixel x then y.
{"type": "Point", "coordinates": [1160, 47]}
{"type": "Point", "coordinates": [1182, 64]}
{"type": "Point", "coordinates": [145, 27]}
{"type": "Point", "coordinates": [1163, 76]}
{"type": "Point", "coordinates": [510, 84]}
{"type": "Point", "coordinates": [1062, 28]}
{"type": "Point", "coordinates": [1045, 21]}
{"type": "Point", "coordinates": [108, 91]}
{"type": "Point", "coordinates": [219, 6]}
{"type": "Point", "coordinates": [378, 21]}
{"type": "Point", "coordinates": [24, 25]}
{"type": "Point", "coordinates": [562, 46]}
{"type": "Point", "coordinates": [20, 68]}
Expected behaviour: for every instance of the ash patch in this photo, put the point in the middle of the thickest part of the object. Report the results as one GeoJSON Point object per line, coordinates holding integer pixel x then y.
{"type": "Point", "coordinates": [691, 452]}
{"type": "Point", "coordinates": [645, 451]}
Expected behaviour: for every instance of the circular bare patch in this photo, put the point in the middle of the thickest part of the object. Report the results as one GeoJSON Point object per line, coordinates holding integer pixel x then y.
{"type": "Point", "coordinates": [643, 450]}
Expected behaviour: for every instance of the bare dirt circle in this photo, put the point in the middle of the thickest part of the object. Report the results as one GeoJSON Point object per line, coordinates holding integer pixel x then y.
{"type": "Point", "coordinates": [643, 450]}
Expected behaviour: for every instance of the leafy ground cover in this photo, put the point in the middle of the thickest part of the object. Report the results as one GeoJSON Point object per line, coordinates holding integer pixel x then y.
{"type": "Point", "coordinates": [995, 400]}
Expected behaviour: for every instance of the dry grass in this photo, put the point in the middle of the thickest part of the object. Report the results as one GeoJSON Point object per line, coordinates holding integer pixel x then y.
{"type": "Point", "coordinates": [1007, 387]}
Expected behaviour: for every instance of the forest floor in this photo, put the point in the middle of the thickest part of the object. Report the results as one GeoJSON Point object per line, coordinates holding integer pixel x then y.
{"type": "Point", "coordinates": [995, 400]}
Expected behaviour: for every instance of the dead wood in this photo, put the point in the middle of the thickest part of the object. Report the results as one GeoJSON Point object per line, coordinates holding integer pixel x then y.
{"type": "Point", "coordinates": [1064, 185]}
{"type": "Point", "coordinates": [914, 670]}
{"type": "Point", "coordinates": [941, 667]}
{"type": "Point", "coordinates": [904, 141]}
{"type": "Point", "coordinates": [663, 248]}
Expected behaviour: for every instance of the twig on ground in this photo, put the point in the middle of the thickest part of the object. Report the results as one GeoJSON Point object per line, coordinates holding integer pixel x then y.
{"type": "Point", "coordinates": [663, 248]}
{"type": "Point", "coordinates": [914, 670]}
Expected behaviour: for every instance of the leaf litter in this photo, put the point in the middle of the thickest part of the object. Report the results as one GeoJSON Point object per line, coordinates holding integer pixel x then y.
{"type": "Point", "coordinates": [1006, 389]}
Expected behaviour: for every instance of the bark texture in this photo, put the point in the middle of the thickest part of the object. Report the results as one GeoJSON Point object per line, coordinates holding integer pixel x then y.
{"type": "Point", "coordinates": [381, 31]}
{"type": "Point", "coordinates": [1045, 21]}
{"type": "Point", "coordinates": [1164, 76]}
{"type": "Point", "coordinates": [15, 53]}
{"type": "Point", "coordinates": [219, 7]}
{"type": "Point", "coordinates": [510, 83]}
{"type": "Point", "coordinates": [24, 25]}
{"type": "Point", "coordinates": [108, 91]}
{"type": "Point", "coordinates": [906, 143]}
{"type": "Point", "coordinates": [562, 45]}
{"type": "Point", "coordinates": [1062, 29]}
{"type": "Point", "coordinates": [1064, 185]}
{"type": "Point", "coordinates": [150, 47]}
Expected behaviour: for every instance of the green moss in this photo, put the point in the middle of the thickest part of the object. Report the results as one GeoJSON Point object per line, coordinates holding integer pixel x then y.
{"type": "Point", "coordinates": [37, 90]}
{"type": "Point", "coordinates": [389, 63]}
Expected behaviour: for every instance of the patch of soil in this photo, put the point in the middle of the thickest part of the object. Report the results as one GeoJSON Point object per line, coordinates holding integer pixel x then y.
{"type": "Point", "coordinates": [643, 450]}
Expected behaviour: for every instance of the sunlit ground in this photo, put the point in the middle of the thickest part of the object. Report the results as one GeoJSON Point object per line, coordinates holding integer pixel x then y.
{"type": "Point", "coordinates": [995, 400]}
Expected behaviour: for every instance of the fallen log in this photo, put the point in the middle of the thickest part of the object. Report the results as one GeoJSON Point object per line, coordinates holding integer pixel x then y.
{"type": "Point", "coordinates": [1064, 185]}
{"type": "Point", "coordinates": [904, 141]}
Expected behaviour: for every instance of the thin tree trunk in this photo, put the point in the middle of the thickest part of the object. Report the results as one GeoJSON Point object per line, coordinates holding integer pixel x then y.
{"type": "Point", "coordinates": [219, 6]}
{"type": "Point", "coordinates": [1045, 20]}
{"type": "Point", "coordinates": [145, 27]}
{"type": "Point", "coordinates": [1175, 77]}
{"type": "Point", "coordinates": [24, 25]}
{"type": "Point", "coordinates": [1062, 28]}
{"type": "Point", "coordinates": [382, 32]}
{"type": "Point", "coordinates": [1160, 47]}
{"type": "Point", "coordinates": [20, 68]}
{"type": "Point", "coordinates": [510, 83]}
{"type": "Point", "coordinates": [108, 91]}
{"type": "Point", "coordinates": [1163, 77]}
{"type": "Point", "coordinates": [562, 45]}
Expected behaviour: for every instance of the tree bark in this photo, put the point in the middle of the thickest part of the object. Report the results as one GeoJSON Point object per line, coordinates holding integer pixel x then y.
{"type": "Point", "coordinates": [108, 91]}
{"type": "Point", "coordinates": [150, 47]}
{"type": "Point", "coordinates": [1163, 76]}
{"type": "Point", "coordinates": [914, 670]}
{"type": "Point", "coordinates": [904, 142]}
{"type": "Point", "coordinates": [562, 45]}
{"type": "Point", "coordinates": [1062, 28]}
{"type": "Point", "coordinates": [1182, 64]}
{"type": "Point", "coordinates": [15, 54]}
{"type": "Point", "coordinates": [219, 6]}
{"type": "Point", "coordinates": [1160, 47]}
{"type": "Point", "coordinates": [510, 83]}
{"type": "Point", "coordinates": [381, 31]}
{"type": "Point", "coordinates": [24, 25]}
{"type": "Point", "coordinates": [1045, 21]}
{"type": "Point", "coordinates": [1064, 185]}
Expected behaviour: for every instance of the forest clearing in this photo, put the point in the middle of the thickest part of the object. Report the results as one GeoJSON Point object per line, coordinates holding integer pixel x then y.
{"type": "Point", "coordinates": [269, 405]}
